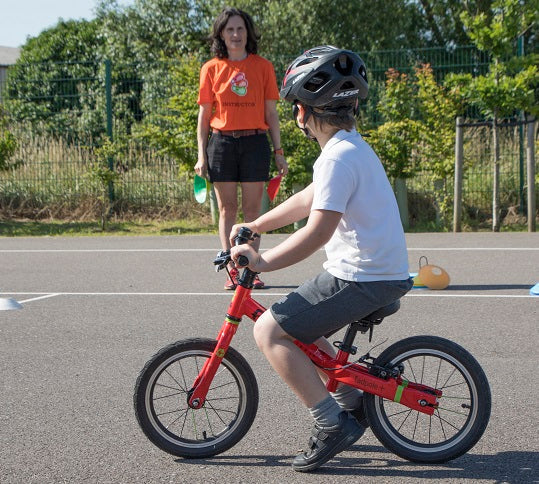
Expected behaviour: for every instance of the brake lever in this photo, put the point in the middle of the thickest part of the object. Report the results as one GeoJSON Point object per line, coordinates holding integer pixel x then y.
{"type": "Point", "coordinates": [221, 260]}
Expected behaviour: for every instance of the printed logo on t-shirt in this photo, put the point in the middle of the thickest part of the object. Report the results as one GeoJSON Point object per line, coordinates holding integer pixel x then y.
{"type": "Point", "coordinates": [239, 84]}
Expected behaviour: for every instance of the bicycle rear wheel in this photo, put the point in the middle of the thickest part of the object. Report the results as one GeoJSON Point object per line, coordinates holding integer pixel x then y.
{"type": "Point", "coordinates": [464, 408]}
{"type": "Point", "coordinates": [161, 395]}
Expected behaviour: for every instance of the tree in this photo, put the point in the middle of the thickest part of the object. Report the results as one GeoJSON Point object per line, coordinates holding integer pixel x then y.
{"type": "Point", "coordinates": [438, 110]}
{"type": "Point", "coordinates": [52, 85]}
{"type": "Point", "coordinates": [8, 145]}
{"type": "Point", "coordinates": [153, 30]}
{"type": "Point", "coordinates": [509, 85]}
{"type": "Point", "coordinates": [444, 25]}
{"type": "Point", "coordinates": [172, 129]}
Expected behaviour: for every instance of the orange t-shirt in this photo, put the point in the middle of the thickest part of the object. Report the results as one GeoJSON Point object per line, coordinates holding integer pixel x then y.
{"type": "Point", "coordinates": [237, 91]}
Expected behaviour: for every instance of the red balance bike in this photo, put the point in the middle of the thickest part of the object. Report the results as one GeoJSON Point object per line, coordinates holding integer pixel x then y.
{"type": "Point", "coordinates": [426, 398]}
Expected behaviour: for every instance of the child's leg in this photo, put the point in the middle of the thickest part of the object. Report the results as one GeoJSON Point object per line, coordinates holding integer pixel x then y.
{"type": "Point", "coordinates": [348, 398]}
{"type": "Point", "coordinates": [292, 365]}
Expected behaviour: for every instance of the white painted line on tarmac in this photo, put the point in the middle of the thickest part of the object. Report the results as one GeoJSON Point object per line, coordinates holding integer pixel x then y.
{"type": "Point", "coordinates": [472, 295]}
{"type": "Point", "coordinates": [46, 296]}
{"type": "Point", "coordinates": [38, 251]}
{"type": "Point", "coordinates": [228, 294]}
{"type": "Point", "coordinates": [29, 251]}
{"type": "Point", "coordinates": [473, 248]}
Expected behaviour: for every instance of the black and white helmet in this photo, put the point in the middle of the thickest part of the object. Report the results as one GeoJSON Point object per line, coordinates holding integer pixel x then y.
{"type": "Point", "coordinates": [325, 76]}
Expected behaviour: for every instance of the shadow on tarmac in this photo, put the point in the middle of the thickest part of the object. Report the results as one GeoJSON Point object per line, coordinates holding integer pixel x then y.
{"type": "Point", "coordinates": [504, 467]}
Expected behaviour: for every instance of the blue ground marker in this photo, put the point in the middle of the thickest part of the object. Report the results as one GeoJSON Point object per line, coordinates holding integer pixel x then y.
{"type": "Point", "coordinates": [534, 291]}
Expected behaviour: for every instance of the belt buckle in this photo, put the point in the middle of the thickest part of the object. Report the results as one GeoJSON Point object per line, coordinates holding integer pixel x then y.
{"type": "Point", "coordinates": [234, 135]}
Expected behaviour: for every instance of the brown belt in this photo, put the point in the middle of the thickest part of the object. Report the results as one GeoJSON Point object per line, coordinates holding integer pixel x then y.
{"type": "Point", "coordinates": [239, 132]}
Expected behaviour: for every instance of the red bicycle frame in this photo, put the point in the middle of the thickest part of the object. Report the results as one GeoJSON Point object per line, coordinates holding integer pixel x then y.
{"type": "Point", "coordinates": [413, 395]}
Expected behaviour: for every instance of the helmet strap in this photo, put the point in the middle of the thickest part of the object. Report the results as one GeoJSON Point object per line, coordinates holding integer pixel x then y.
{"type": "Point", "coordinates": [308, 112]}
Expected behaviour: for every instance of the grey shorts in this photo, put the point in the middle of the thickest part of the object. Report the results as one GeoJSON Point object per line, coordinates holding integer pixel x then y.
{"type": "Point", "coordinates": [325, 304]}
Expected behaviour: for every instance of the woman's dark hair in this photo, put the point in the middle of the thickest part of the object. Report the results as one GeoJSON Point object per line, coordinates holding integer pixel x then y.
{"type": "Point", "coordinates": [218, 47]}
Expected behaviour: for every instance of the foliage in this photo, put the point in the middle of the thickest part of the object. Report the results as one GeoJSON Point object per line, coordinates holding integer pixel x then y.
{"type": "Point", "coordinates": [152, 30]}
{"type": "Point", "coordinates": [172, 128]}
{"type": "Point", "coordinates": [396, 140]}
{"type": "Point", "coordinates": [503, 90]}
{"type": "Point", "coordinates": [300, 152]}
{"type": "Point", "coordinates": [100, 171]}
{"type": "Point", "coordinates": [438, 111]}
{"type": "Point", "coordinates": [396, 143]}
{"type": "Point", "coordinates": [498, 94]}
{"type": "Point", "coordinates": [53, 83]}
{"type": "Point", "coordinates": [8, 146]}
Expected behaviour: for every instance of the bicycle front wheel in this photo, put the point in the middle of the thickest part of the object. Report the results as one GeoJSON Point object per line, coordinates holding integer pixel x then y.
{"type": "Point", "coordinates": [464, 408]}
{"type": "Point", "coordinates": [161, 396]}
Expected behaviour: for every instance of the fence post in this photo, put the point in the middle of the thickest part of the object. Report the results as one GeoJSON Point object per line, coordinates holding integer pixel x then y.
{"type": "Point", "coordinates": [459, 155]}
{"type": "Point", "coordinates": [530, 162]}
{"type": "Point", "coordinates": [108, 102]}
{"type": "Point", "coordinates": [520, 53]}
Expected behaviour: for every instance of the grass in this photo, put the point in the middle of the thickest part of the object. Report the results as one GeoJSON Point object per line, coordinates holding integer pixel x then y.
{"type": "Point", "coordinates": [32, 228]}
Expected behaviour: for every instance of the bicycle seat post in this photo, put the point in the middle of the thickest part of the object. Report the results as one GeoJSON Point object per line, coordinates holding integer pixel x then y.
{"type": "Point", "coordinates": [345, 349]}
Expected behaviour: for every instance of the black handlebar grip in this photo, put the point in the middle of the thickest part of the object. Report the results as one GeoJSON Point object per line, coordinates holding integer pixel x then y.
{"type": "Point", "coordinates": [243, 261]}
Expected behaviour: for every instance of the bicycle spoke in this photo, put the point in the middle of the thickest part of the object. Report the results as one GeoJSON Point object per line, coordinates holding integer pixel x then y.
{"type": "Point", "coordinates": [454, 385]}
{"type": "Point", "coordinates": [438, 372]}
{"type": "Point", "coordinates": [448, 423]}
{"type": "Point", "coordinates": [175, 420]}
{"type": "Point", "coordinates": [454, 411]}
{"type": "Point", "coordinates": [415, 427]}
{"type": "Point", "coordinates": [223, 385]}
{"type": "Point", "coordinates": [171, 411]}
{"type": "Point", "coordinates": [448, 378]}
{"type": "Point", "coordinates": [405, 418]}
{"type": "Point", "coordinates": [176, 381]}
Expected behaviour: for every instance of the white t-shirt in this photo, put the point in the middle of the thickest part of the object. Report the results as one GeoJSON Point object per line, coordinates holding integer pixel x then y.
{"type": "Point", "coordinates": [369, 243]}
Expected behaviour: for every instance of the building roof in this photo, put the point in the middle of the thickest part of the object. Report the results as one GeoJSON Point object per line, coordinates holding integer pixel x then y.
{"type": "Point", "coordinates": [9, 55]}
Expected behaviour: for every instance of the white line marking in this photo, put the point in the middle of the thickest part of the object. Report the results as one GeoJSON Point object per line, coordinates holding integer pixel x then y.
{"type": "Point", "coordinates": [29, 251]}
{"type": "Point", "coordinates": [473, 248]}
{"type": "Point", "coordinates": [106, 250]}
{"type": "Point", "coordinates": [258, 294]}
{"type": "Point", "coordinates": [38, 298]}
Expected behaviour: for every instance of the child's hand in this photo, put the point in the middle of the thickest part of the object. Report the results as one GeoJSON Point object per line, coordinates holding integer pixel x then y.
{"type": "Point", "coordinates": [246, 251]}
{"type": "Point", "coordinates": [236, 228]}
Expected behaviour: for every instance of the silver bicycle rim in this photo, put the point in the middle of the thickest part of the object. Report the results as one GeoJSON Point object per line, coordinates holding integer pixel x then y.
{"type": "Point", "coordinates": [192, 443]}
{"type": "Point", "coordinates": [454, 440]}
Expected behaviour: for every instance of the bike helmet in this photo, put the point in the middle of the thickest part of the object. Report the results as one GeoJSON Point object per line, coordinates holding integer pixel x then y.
{"type": "Point", "coordinates": [325, 76]}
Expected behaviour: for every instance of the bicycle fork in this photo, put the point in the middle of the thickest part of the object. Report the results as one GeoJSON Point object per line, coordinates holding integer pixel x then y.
{"type": "Point", "coordinates": [241, 305]}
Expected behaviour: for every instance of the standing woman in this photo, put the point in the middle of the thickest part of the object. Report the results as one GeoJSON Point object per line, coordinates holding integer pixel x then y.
{"type": "Point", "coordinates": [238, 105]}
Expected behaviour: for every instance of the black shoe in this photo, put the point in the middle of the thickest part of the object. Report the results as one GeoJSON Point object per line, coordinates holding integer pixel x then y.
{"type": "Point", "coordinates": [327, 443]}
{"type": "Point", "coordinates": [359, 414]}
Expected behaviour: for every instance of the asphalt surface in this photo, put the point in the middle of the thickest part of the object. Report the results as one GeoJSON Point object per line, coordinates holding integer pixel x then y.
{"type": "Point", "coordinates": [96, 309]}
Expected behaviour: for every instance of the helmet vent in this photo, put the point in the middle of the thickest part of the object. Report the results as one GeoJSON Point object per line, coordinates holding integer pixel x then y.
{"type": "Point", "coordinates": [347, 85]}
{"type": "Point", "coordinates": [316, 82]}
{"type": "Point", "coordinates": [304, 62]}
{"type": "Point", "coordinates": [344, 65]}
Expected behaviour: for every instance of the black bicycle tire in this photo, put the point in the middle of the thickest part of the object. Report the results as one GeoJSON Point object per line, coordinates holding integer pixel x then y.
{"type": "Point", "coordinates": [458, 444]}
{"type": "Point", "coordinates": [187, 448]}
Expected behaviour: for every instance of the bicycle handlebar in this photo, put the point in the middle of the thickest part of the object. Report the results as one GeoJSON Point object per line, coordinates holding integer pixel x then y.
{"type": "Point", "coordinates": [223, 257]}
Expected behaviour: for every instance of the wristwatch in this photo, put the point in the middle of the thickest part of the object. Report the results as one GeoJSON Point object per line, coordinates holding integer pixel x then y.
{"type": "Point", "coordinates": [279, 151]}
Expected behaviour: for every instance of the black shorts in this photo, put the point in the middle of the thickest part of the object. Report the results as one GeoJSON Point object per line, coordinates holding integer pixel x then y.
{"type": "Point", "coordinates": [243, 159]}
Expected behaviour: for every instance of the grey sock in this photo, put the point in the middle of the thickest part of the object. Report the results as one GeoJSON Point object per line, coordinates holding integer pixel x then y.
{"type": "Point", "coordinates": [347, 397]}
{"type": "Point", "coordinates": [326, 412]}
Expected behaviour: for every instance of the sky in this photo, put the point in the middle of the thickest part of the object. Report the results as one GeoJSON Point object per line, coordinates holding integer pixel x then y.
{"type": "Point", "coordinates": [20, 19]}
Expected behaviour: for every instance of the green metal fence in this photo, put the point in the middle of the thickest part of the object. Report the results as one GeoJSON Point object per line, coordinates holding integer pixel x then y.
{"type": "Point", "coordinates": [61, 113]}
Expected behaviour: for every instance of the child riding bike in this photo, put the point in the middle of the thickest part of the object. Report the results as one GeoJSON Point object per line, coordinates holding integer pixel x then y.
{"type": "Point", "coordinates": [352, 212]}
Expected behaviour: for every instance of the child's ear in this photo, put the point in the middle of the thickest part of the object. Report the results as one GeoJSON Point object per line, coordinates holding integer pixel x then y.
{"type": "Point", "coordinates": [299, 112]}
